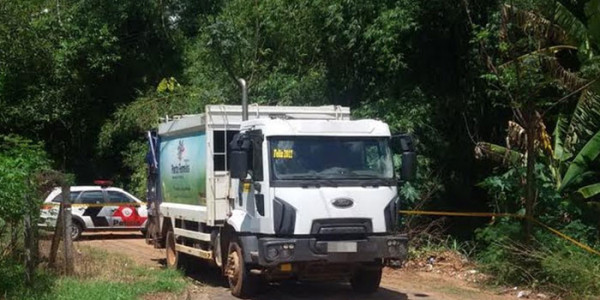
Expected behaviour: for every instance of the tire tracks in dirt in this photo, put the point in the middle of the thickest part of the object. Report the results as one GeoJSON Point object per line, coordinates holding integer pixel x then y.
{"type": "Point", "coordinates": [209, 285]}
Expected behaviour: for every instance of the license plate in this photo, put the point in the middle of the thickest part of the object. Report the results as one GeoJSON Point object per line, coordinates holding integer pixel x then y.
{"type": "Point", "coordinates": [341, 247]}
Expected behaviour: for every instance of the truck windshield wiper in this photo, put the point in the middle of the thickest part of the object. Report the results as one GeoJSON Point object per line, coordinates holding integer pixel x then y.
{"type": "Point", "coordinates": [312, 180]}
{"type": "Point", "coordinates": [374, 182]}
{"type": "Point", "coordinates": [328, 182]}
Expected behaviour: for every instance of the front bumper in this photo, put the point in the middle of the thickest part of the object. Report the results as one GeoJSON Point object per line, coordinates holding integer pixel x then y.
{"type": "Point", "coordinates": [47, 222]}
{"type": "Point", "coordinates": [260, 251]}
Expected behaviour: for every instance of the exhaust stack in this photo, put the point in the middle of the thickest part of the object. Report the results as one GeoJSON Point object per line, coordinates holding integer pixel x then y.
{"type": "Point", "coordinates": [244, 87]}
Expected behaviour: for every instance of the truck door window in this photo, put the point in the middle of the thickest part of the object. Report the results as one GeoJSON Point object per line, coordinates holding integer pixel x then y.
{"type": "Point", "coordinates": [91, 197]}
{"type": "Point", "coordinates": [256, 155]}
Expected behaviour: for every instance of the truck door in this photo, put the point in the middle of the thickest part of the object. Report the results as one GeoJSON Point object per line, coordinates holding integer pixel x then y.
{"type": "Point", "coordinates": [253, 190]}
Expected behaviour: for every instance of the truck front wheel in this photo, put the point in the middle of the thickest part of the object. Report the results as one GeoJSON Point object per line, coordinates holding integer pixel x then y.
{"type": "Point", "coordinates": [242, 283]}
{"type": "Point", "coordinates": [366, 280]}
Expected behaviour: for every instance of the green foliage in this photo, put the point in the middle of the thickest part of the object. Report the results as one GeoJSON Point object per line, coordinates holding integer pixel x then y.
{"type": "Point", "coordinates": [11, 276]}
{"type": "Point", "coordinates": [64, 67]}
{"type": "Point", "coordinates": [582, 165]}
{"type": "Point", "coordinates": [552, 209]}
{"type": "Point", "coordinates": [575, 272]}
{"type": "Point", "coordinates": [91, 77]}
{"type": "Point", "coordinates": [551, 263]}
{"type": "Point", "coordinates": [291, 53]}
{"type": "Point", "coordinates": [494, 256]}
{"type": "Point", "coordinates": [129, 282]}
{"type": "Point", "coordinates": [12, 285]}
{"type": "Point", "coordinates": [104, 280]}
{"type": "Point", "coordinates": [20, 160]}
{"type": "Point", "coordinates": [145, 283]}
{"type": "Point", "coordinates": [549, 260]}
{"type": "Point", "coordinates": [413, 116]}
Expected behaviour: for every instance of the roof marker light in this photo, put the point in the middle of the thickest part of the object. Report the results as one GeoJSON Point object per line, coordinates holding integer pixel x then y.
{"type": "Point", "coordinates": [103, 183]}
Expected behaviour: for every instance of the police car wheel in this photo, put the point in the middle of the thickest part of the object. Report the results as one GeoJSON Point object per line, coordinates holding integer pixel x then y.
{"type": "Point", "coordinates": [76, 230]}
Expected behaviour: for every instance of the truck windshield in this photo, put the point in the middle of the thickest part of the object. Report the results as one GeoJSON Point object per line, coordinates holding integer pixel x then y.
{"type": "Point", "coordinates": [348, 158]}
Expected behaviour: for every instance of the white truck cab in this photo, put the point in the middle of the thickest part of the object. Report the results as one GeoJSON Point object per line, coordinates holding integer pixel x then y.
{"type": "Point", "coordinates": [285, 193]}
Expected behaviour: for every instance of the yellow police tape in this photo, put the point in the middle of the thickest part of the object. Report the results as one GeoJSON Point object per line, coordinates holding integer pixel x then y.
{"type": "Point", "coordinates": [99, 204]}
{"type": "Point", "coordinates": [486, 214]}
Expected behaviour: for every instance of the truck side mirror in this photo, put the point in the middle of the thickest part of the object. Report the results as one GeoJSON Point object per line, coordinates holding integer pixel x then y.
{"type": "Point", "coordinates": [238, 167]}
{"type": "Point", "coordinates": [404, 143]}
{"type": "Point", "coordinates": [409, 166]}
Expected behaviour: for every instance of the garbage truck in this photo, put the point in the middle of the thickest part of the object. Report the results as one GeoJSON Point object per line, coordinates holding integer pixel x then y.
{"type": "Point", "coordinates": [269, 193]}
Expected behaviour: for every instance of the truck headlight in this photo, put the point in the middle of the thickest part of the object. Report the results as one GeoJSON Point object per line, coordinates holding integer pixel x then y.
{"type": "Point", "coordinates": [283, 250]}
{"type": "Point", "coordinates": [395, 247]}
{"type": "Point", "coordinates": [272, 252]}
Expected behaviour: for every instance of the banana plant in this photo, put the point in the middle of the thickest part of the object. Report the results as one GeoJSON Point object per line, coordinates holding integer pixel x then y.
{"type": "Point", "coordinates": [574, 155]}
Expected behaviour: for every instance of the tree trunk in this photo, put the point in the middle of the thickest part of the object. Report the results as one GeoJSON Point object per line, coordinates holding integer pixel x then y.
{"type": "Point", "coordinates": [530, 187]}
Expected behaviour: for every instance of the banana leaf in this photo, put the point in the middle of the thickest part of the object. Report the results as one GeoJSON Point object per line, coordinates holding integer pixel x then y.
{"type": "Point", "coordinates": [582, 162]}
{"type": "Point", "coordinates": [497, 153]}
{"type": "Point", "coordinates": [559, 133]}
{"type": "Point", "coordinates": [585, 120]}
{"type": "Point", "coordinates": [590, 190]}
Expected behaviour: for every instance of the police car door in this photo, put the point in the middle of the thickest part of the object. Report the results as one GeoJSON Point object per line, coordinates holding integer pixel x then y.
{"type": "Point", "coordinates": [126, 213]}
{"type": "Point", "coordinates": [95, 213]}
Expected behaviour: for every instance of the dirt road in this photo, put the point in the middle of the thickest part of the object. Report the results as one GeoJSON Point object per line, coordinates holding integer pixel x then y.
{"type": "Point", "coordinates": [396, 284]}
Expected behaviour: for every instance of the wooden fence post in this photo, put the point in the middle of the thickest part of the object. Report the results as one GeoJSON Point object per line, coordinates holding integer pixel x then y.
{"type": "Point", "coordinates": [32, 251]}
{"type": "Point", "coordinates": [29, 243]}
{"type": "Point", "coordinates": [67, 220]}
{"type": "Point", "coordinates": [56, 239]}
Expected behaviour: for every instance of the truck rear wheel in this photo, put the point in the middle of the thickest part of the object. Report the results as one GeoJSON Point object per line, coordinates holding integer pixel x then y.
{"type": "Point", "coordinates": [366, 280]}
{"type": "Point", "coordinates": [175, 259]}
{"type": "Point", "coordinates": [241, 282]}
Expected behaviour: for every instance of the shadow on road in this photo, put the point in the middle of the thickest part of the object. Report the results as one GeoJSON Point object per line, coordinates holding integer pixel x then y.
{"type": "Point", "coordinates": [212, 277]}
{"type": "Point", "coordinates": [110, 236]}
{"type": "Point", "coordinates": [324, 290]}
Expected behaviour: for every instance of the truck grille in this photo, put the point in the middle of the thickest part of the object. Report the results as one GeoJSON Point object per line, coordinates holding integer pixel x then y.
{"type": "Point", "coordinates": [341, 229]}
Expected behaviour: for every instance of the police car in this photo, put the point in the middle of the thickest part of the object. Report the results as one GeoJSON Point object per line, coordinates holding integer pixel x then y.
{"type": "Point", "coordinates": [96, 208]}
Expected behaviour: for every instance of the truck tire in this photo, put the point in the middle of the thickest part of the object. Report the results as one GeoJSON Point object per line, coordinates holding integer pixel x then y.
{"type": "Point", "coordinates": [175, 259]}
{"type": "Point", "coordinates": [366, 280]}
{"type": "Point", "coordinates": [241, 282]}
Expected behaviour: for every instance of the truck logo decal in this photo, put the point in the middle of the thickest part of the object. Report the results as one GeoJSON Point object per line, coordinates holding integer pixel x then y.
{"type": "Point", "coordinates": [180, 150]}
{"type": "Point", "coordinates": [342, 202]}
{"type": "Point", "coordinates": [181, 168]}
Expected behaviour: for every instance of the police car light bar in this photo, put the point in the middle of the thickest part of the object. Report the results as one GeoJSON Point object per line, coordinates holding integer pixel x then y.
{"type": "Point", "coordinates": [103, 183]}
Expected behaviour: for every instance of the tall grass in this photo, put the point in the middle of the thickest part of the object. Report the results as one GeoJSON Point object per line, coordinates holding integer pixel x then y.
{"type": "Point", "coordinates": [547, 263]}
{"type": "Point", "coordinates": [98, 276]}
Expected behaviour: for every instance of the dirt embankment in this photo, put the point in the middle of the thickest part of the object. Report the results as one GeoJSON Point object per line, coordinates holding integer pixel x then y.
{"type": "Point", "coordinates": [410, 284]}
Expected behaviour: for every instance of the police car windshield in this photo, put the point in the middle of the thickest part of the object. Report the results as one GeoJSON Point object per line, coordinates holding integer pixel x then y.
{"type": "Point", "coordinates": [331, 158]}
{"type": "Point", "coordinates": [59, 198]}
